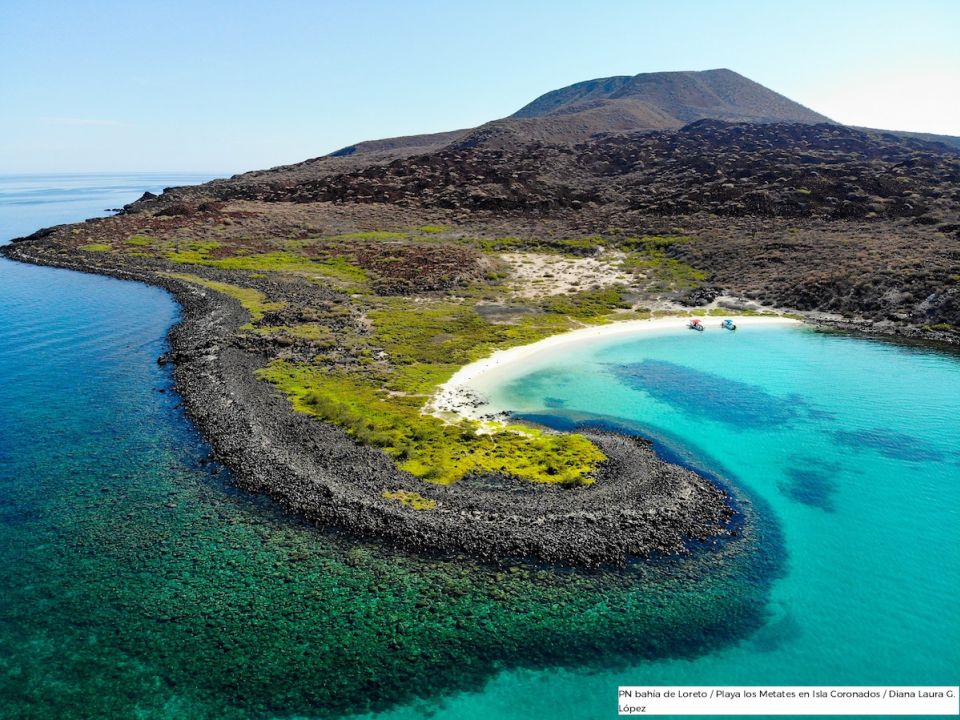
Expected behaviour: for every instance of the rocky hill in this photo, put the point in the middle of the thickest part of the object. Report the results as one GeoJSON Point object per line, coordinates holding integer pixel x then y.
{"type": "Point", "coordinates": [649, 101]}
{"type": "Point", "coordinates": [812, 216]}
{"type": "Point", "coordinates": [781, 170]}
{"type": "Point", "coordinates": [673, 99]}
{"type": "Point", "coordinates": [819, 218]}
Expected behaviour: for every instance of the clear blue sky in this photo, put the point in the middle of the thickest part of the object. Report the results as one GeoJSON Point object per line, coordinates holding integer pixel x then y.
{"type": "Point", "coordinates": [231, 85]}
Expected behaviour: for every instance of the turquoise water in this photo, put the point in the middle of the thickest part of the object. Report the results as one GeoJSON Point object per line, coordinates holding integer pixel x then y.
{"type": "Point", "coordinates": [853, 445]}
{"type": "Point", "coordinates": [136, 582]}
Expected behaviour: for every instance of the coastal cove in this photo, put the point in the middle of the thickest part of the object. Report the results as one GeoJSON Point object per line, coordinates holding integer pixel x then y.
{"type": "Point", "coordinates": [849, 444]}
{"type": "Point", "coordinates": [125, 523]}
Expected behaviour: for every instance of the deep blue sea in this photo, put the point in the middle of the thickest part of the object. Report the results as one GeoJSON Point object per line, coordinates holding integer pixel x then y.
{"type": "Point", "coordinates": [136, 582]}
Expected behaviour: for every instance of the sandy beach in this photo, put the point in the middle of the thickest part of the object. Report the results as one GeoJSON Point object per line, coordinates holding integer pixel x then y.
{"type": "Point", "coordinates": [462, 394]}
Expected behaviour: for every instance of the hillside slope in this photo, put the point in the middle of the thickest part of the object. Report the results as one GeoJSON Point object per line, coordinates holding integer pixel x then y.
{"type": "Point", "coordinates": [813, 217]}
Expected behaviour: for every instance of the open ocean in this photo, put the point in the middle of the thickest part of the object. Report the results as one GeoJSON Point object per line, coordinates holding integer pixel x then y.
{"type": "Point", "coordinates": [136, 582]}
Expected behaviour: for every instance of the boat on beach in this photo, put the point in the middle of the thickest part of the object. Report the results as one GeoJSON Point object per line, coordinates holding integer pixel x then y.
{"type": "Point", "coordinates": [728, 324]}
{"type": "Point", "coordinates": [695, 324]}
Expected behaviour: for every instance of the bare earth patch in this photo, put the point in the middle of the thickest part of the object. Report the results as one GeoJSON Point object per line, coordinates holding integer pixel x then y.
{"type": "Point", "coordinates": [535, 275]}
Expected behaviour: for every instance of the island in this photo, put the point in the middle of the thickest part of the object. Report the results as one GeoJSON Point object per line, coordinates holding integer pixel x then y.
{"type": "Point", "coordinates": [327, 305]}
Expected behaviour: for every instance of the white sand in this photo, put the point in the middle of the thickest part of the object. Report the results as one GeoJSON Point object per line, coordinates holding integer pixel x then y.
{"type": "Point", "coordinates": [460, 396]}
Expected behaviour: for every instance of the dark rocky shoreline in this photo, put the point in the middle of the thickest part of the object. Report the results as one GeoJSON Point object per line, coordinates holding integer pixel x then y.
{"type": "Point", "coordinates": [639, 506]}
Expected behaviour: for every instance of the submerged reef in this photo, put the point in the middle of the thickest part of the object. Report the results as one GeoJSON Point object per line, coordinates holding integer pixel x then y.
{"type": "Point", "coordinates": [208, 605]}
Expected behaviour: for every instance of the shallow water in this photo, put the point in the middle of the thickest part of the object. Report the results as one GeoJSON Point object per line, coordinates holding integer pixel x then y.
{"type": "Point", "coordinates": [851, 442]}
{"type": "Point", "coordinates": [136, 581]}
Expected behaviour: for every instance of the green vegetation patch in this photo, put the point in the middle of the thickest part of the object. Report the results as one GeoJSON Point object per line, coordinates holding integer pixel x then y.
{"type": "Point", "coordinates": [505, 244]}
{"type": "Point", "coordinates": [580, 246]}
{"type": "Point", "coordinates": [337, 267]}
{"type": "Point", "coordinates": [379, 402]}
{"type": "Point", "coordinates": [427, 342]}
{"type": "Point", "coordinates": [650, 256]}
{"type": "Point", "coordinates": [587, 305]}
{"type": "Point", "coordinates": [96, 247]}
{"type": "Point", "coordinates": [647, 243]}
{"type": "Point", "coordinates": [342, 269]}
{"type": "Point", "coordinates": [412, 500]}
{"type": "Point", "coordinates": [253, 301]}
{"type": "Point", "coordinates": [320, 335]}
{"type": "Point", "coordinates": [190, 251]}
{"type": "Point", "coordinates": [141, 240]}
{"type": "Point", "coordinates": [273, 261]}
{"type": "Point", "coordinates": [424, 445]}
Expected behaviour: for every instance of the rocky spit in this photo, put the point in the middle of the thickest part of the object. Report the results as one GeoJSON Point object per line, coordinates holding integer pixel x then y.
{"type": "Point", "coordinates": [639, 506]}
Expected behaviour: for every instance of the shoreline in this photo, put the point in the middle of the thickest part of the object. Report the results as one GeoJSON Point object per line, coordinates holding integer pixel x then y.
{"type": "Point", "coordinates": [639, 507]}
{"type": "Point", "coordinates": [460, 396]}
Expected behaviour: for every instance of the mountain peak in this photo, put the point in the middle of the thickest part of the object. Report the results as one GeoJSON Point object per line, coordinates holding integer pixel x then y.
{"type": "Point", "coordinates": [673, 99]}
{"type": "Point", "coordinates": [623, 103]}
